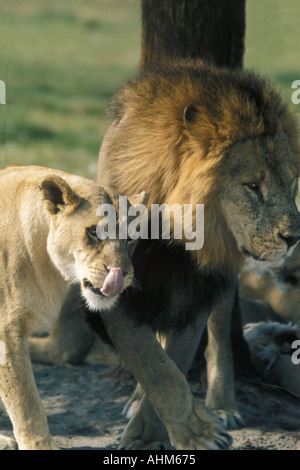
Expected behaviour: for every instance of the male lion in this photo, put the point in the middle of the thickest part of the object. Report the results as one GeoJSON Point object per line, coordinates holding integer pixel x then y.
{"type": "Point", "coordinates": [189, 133]}
{"type": "Point", "coordinates": [48, 240]}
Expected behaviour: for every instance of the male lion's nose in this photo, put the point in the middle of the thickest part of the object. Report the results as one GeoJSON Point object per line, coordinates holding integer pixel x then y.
{"type": "Point", "coordinates": [290, 240]}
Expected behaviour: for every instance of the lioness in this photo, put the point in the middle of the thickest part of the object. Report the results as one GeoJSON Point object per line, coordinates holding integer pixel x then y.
{"type": "Point", "coordinates": [188, 133]}
{"type": "Point", "coordinates": [48, 240]}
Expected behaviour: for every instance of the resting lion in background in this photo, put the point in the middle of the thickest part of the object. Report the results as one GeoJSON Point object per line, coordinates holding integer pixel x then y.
{"type": "Point", "coordinates": [276, 293]}
{"type": "Point", "coordinates": [270, 307]}
{"type": "Point", "coordinates": [187, 133]}
{"type": "Point", "coordinates": [48, 240]}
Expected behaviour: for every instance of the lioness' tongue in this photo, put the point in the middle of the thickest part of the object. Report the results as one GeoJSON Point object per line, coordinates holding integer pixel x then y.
{"type": "Point", "coordinates": [114, 283]}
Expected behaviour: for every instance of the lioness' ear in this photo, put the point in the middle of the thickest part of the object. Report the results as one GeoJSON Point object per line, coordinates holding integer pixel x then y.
{"type": "Point", "coordinates": [140, 198]}
{"type": "Point", "coordinates": [189, 115]}
{"type": "Point", "coordinates": [57, 194]}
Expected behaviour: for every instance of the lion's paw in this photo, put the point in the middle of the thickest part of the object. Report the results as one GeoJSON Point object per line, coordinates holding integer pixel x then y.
{"type": "Point", "coordinates": [33, 443]}
{"type": "Point", "coordinates": [8, 443]}
{"type": "Point", "coordinates": [201, 430]}
{"type": "Point", "coordinates": [231, 419]}
{"type": "Point", "coordinates": [145, 433]}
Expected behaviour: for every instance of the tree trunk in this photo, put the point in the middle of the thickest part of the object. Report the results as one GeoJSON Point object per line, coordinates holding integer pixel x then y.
{"type": "Point", "coordinates": [212, 30]}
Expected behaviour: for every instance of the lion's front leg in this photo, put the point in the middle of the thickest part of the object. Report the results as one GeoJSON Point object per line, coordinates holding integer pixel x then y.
{"type": "Point", "coordinates": [220, 395]}
{"type": "Point", "coordinates": [181, 347]}
{"type": "Point", "coordinates": [190, 424]}
{"type": "Point", "coordinates": [19, 394]}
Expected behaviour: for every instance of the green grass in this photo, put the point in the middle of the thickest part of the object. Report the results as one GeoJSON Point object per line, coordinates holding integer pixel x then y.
{"type": "Point", "coordinates": [62, 60]}
{"type": "Point", "coordinates": [273, 42]}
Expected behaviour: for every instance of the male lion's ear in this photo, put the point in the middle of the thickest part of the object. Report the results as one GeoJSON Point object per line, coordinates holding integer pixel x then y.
{"type": "Point", "coordinates": [189, 114]}
{"type": "Point", "coordinates": [140, 198]}
{"type": "Point", "coordinates": [57, 194]}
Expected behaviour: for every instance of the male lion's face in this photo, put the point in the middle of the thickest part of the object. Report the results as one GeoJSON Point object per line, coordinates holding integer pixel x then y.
{"type": "Point", "coordinates": [102, 267]}
{"type": "Point", "coordinates": [257, 198]}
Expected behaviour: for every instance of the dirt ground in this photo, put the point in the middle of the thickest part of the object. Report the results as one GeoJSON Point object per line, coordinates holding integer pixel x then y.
{"type": "Point", "coordinates": [84, 407]}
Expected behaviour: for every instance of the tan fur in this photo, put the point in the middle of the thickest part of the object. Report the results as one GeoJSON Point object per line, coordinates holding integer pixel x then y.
{"type": "Point", "coordinates": [44, 244]}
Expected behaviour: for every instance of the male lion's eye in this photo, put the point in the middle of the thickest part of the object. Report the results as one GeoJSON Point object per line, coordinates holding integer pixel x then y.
{"type": "Point", "coordinates": [253, 186]}
{"type": "Point", "coordinates": [92, 232]}
{"type": "Point", "coordinates": [256, 189]}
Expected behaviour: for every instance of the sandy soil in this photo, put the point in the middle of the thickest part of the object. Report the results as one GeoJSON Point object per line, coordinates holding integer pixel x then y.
{"type": "Point", "coordinates": [84, 407]}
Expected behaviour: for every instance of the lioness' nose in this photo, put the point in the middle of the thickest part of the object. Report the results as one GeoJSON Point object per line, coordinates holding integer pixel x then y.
{"type": "Point", "coordinates": [290, 240]}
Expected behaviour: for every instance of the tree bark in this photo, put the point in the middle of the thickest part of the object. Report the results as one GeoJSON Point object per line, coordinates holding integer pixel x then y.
{"type": "Point", "coordinates": [212, 30]}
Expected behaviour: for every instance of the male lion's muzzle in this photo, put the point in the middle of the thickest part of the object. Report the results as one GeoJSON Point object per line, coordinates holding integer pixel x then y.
{"type": "Point", "coordinates": [289, 228]}
{"type": "Point", "coordinates": [290, 240]}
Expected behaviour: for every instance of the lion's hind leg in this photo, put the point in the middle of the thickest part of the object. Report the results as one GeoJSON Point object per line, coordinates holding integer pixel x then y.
{"type": "Point", "coordinates": [220, 395]}
{"type": "Point", "coordinates": [133, 402]}
{"type": "Point", "coordinates": [69, 341]}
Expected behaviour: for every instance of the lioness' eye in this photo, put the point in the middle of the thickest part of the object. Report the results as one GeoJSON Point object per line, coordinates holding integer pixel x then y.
{"type": "Point", "coordinates": [92, 233]}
